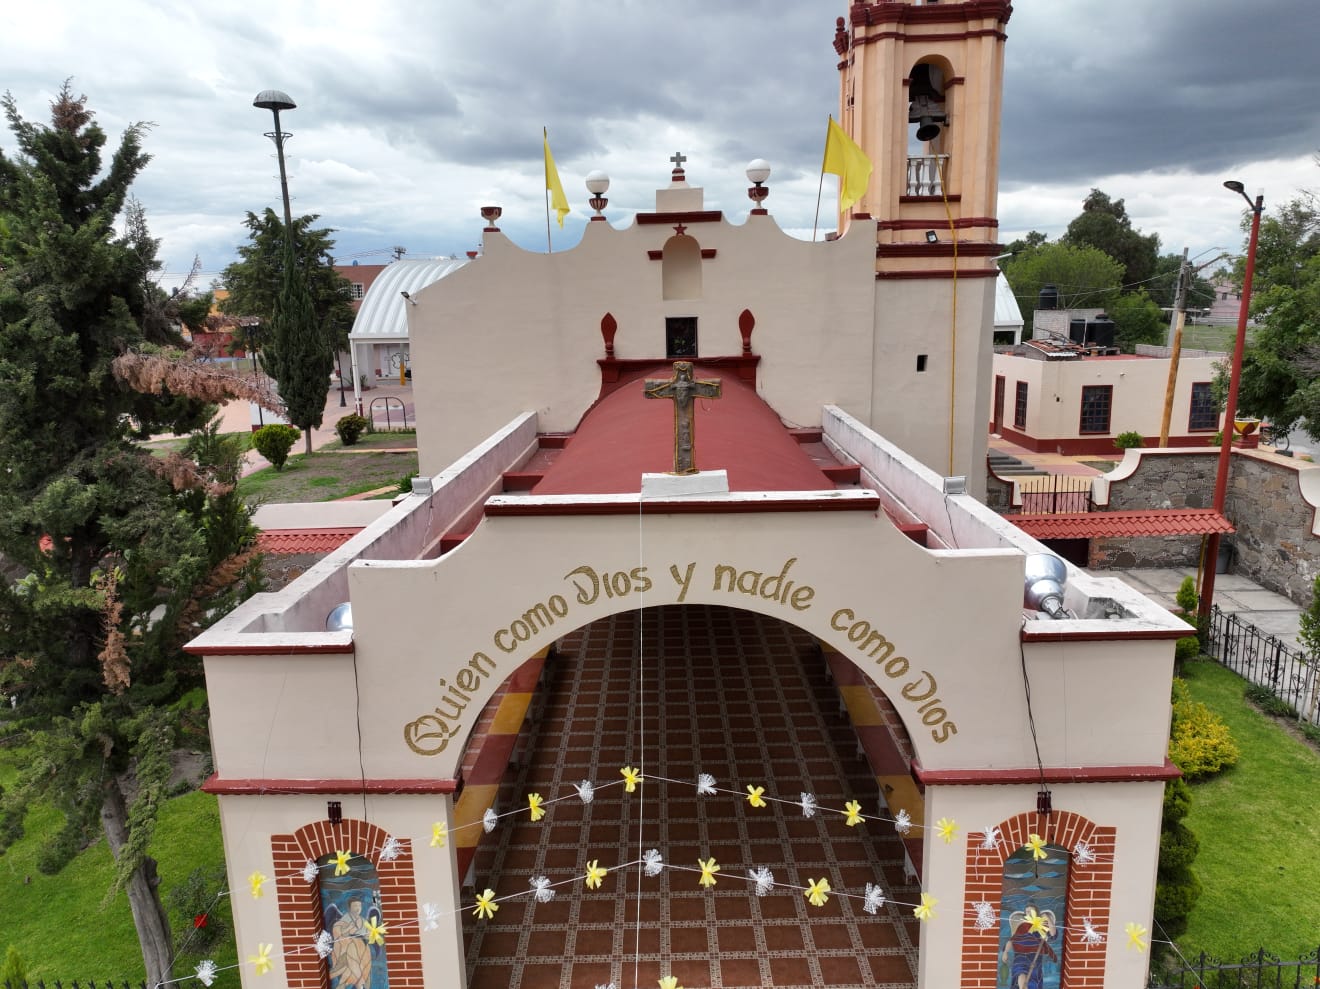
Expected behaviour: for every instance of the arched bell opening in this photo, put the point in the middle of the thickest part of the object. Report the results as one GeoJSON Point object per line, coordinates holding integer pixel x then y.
{"type": "Point", "coordinates": [928, 115]}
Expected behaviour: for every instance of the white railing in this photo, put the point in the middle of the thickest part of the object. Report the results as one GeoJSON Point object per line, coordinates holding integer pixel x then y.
{"type": "Point", "coordinates": [925, 175]}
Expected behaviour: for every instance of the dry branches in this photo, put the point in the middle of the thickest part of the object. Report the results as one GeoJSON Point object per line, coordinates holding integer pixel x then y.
{"type": "Point", "coordinates": [153, 373]}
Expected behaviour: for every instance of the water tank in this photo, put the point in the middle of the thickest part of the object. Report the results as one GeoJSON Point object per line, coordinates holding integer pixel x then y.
{"type": "Point", "coordinates": [1100, 331]}
{"type": "Point", "coordinates": [1049, 297]}
{"type": "Point", "coordinates": [1077, 331]}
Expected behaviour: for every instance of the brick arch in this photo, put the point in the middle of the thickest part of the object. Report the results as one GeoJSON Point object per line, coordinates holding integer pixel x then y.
{"type": "Point", "coordinates": [1089, 888]}
{"type": "Point", "coordinates": [300, 902]}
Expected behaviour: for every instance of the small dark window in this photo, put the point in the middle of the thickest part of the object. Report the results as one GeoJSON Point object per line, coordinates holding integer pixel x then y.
{"type": "Point", "coordinates": [921, 363]}
{"type": "Point", "coordinates": [1205, 410]}
{"type": "Point", "coordinates": [1020, 406]}
{"type": "Point", "coordinates": [358, 290]}
{"type": "Point", "coordinates": [680, 336]}
{"type": "Point", "coordinates": [1097, 403]}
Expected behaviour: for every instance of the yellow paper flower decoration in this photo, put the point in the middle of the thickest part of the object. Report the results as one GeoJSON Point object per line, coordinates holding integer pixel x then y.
{"type": "Point", "coordinates": [341, 863]}
{"type": "Point", "coordinates": [1136, 935]}
{"type": "Point", "coordinates": [670, 982]}
{"type": "Point", "coordinates": [948, 829]}
{"type": "Point", "coordinates": [534, 805]}
{"type": "Point", "coordinates": [439, 832]}
{"type": "Point", "coordinates": [256, 881]}
{"type": "Point", "coordinates": [375, 931]}
{"type": "Point", "coordinates": [1037, 845]}
{"type": "Point", "coordinates": [631, 777]}
{"type": "Point", "coordinates": [261, 960]}
{"type": "Point", "coordinates": [708, 870]}
{"type": "Point", "coordinates": [486, 905]}
{"type": "Point", "coordinates": [854, 809]}
{"type": "Point", "coordinates": [925, 910]}
{"type": "Point", "coordinates": [817, 890]}
{"type": "Point", "coordinates": [595, 874]}
{"type": "Point", "coordinates": [754, 795]}
{"type": "Point", "coordinates": [1037, 922]}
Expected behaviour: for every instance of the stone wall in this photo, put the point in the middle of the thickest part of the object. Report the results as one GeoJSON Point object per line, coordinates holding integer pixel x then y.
{"type": "Point", "coordinates": [998, 493]}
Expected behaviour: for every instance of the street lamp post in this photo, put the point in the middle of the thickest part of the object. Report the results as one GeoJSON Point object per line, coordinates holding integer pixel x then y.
{"type": "Point", "coordinates": [274, 100]}
{"type": "Point", "coordinates": [1210, 563]}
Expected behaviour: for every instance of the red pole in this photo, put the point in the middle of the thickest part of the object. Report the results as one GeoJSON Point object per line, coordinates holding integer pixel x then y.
{"type": "Point", "coordinates": [1211, 561]}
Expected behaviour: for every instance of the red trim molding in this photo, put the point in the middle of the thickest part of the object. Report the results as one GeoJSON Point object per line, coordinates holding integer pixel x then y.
{"type": "Point", "coordinates": [707, 254]}
{"type": "Point", "coordinates": [918, 273]}
{"type": "Point", "coordinates": [1102, 634]}
{"type": "Point", "coordinates": [895, 13]}
{"type": "Point", "coordinates": [942, 249]}
{"type": "Point", "coordinates": [1072, 446]}
{"type": "Point", "coordinates": [259, 787]}
{"type": "Point", "coordinates": [681, 506]}
{"type": "Point", "coordinates": [273, 649]}
{"type": "Point", "coordinates": [1053, 774]}
{"type": "Point", "coordinates": [691, 216]}
{"type": "Point", "coordinates": [961, 223]}
{"type": "Point", "coordinates": [918, 200]}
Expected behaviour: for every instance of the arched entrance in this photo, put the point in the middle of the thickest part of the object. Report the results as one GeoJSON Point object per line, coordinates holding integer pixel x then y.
{"type": "Point", "coordinates": [678, 691]}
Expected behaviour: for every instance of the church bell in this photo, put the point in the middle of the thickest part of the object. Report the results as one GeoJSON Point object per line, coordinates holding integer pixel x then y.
{"type": "Point", "coordinates": [926, 96]}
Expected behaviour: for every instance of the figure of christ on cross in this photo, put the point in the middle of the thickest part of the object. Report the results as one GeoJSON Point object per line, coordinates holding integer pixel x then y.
{"type": "Point", "coordinates": [683, 389]}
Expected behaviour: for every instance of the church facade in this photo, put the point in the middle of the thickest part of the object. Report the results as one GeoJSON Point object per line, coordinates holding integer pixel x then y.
{"type": "Point", "coordinates": [1013, 712]}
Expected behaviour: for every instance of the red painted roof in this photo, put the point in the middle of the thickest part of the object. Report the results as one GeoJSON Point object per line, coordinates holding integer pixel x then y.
{"type": "Point", "coordinates": [286, 542]}
{"type": "Point", "coordinates": [625, 435]}
{"type": "Point", "coordinates": [1155, 522]}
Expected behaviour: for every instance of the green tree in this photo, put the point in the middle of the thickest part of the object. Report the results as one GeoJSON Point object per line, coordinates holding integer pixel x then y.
{"type": "Point", "coordinates": [13, 972]}
{"type": "Point", "coordinates": [1085, 277]}
{"type": "Point", "coordinates": [1105, 225]}
{"type": "Point", "coordinates": [1137, 319]}
{"type": "Point", "coordinates": [1163, 288]}
{"type": "Point", "coordinates": [1176, 887]}
{"type": "Point", "coordinates": [303, 306]}
{"type": "Point", "coordinates": [121, 556]}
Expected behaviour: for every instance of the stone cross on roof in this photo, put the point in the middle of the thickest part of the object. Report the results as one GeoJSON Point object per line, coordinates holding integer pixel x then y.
{"type": "Point", "coordinates": [683, 389]}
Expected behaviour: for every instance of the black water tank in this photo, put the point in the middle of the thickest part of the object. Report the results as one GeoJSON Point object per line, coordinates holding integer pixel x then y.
{"type": "Point", "coordinates": [1077, 331]}
{"type": "Point", "coordinates": [1049, 297]}
{"type": "Point", "coordinates": [1100, 331]}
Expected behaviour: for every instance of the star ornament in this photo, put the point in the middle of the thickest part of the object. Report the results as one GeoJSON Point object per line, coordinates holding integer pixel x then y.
{"type": "Point", "coordinates": [925, 910]}
{"type": "Point", "coordinates": [256, 881]}
{"type": "Point", "coordinates": [595, 874]}
{"type": "Point", "coordinates": [486, 905]}
{"type": "Point", "coordinates": [261, 961]}
{"type": "Point", "coordinates": [439, 832]}
{"type": "Point", "coordinates": [341, 863]}
{"type": "Point", "coordinates": [854, 809]}
{"type": "Point", "coordinates": [754, 795]}
{"type": "Point", "coordinates": [631, 777]}
{"type": "Point", "coordinates": [1037, 923]}
{"type": "Point", "coordinates": [205, 972]}
{"type": "Point", "coordinates": [947, 828]}
{"type": "Point", "coordinates": [1136, 936]}
{"type": "Point", "coordinates": [708, 870]}
{"type": "Point", "coordinates": [376, 931]}
{"type": "Point", "coordinates": [817, 891]}
{"type": "Point", "coordinates": [534, 806]}
{"type": "Point", "coordinates": [1037, 845]}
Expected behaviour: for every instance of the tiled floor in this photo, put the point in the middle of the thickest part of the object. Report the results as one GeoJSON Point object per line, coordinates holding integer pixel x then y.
{"type": "Point", "coordinates": [680, 691]}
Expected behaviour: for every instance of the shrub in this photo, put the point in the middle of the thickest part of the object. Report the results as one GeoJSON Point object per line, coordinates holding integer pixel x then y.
{"type": "Point", "coordinates": [1131, 438]}
{"type": "Point", "coordinates": [196, 915]}
{"type": "Point", "coordinates": [14, 971]}
{"type": "Point", "coordinates": [1185, 649]}
{"type": "Point", "coordinates": [1265, 699]}
{"type": "Point", "coordinates": [1187, 597]}
{"type": "Point", "coordinates": [351, 427]}
{"type": "Point", "coordinates": [1176, 887]}
{"type": "Point", "coordinates": [274, 443]}
{"type": "Point", "coordinates": [1200, 744]}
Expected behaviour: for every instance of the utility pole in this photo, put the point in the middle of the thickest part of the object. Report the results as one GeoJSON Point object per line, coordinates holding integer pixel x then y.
{"type": "Point", "coordinates": [1176, 321]}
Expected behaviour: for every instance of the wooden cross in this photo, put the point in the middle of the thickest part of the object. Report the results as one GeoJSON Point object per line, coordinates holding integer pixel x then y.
{"type": "Point", "coordinates": [678, 159]}
{"type": "Point", "coordinates": [682, 389]}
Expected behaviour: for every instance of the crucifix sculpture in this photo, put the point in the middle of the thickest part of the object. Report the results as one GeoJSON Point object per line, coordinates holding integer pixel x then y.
{"type": "Point", "coordinates": [683, 390]}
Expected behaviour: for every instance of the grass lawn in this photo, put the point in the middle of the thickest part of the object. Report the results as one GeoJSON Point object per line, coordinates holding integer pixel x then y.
{"type": "Point", "coordinates": [63, 926]}
{"type": "Point", "coordinates": [1218, 338]}
{"type": "Point", "coordinates": [1260, 834]}
{"type": "Point", "coordinates": [327, 475]}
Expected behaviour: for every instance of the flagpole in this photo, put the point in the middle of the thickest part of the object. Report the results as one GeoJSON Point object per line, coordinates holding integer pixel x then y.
{"type": "Point", "coordinates": [545, 137]}
{"type": "Point", "coordinates": [821, 185]}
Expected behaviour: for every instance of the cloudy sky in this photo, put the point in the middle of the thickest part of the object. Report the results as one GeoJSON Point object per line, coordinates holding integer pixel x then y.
{"type": "Point", "coordinates": [413, 114]}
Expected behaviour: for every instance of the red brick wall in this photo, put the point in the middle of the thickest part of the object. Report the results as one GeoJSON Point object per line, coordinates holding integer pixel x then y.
{"type": "Point", "coordinates": [1088, 897]}
{"type": "Point", "coordinates": [300, 901]}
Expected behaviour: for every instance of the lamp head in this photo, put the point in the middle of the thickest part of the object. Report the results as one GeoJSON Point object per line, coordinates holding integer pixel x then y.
{"type": "Point", "coordinates": [758, 170]}
{"type": "Point", "coordinates": [1234, 186]}
{"type": "Point", "coordinates": [274, 99]}
{"type": "Point", "coordinates": [598, 183]}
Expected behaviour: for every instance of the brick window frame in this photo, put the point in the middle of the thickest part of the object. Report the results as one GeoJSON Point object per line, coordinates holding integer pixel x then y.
{"type": "Point", "coordinates": [1095, 399]}
{"type": "Point", "coordinates": [300, 901]}
{"type": "Point", "coordinates": [1203, 410]}
{"type": "Point", "coordinates": [1020, 405]}
{"type": "Point", "coordinates": [1089, 892]}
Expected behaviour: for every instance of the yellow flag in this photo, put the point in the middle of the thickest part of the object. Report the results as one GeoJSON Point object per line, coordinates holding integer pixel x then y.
{"type": "Point", "coordinates": [558, 201]}
{"type": "Point", "coordinates": [848, 161]}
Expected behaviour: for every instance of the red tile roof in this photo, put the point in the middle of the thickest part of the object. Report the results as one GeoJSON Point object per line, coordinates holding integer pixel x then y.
{"type": "Point", "coordinates": [286, 542]}
{"type": "Point", "coordinates": [625, 435]}
{"type": "Point", "coordinates": [1155, 522]}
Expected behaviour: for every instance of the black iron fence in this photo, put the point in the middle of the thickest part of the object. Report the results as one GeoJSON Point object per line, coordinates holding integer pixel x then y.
{"type": "Point", "coordinates": [1259, 970]}
{"type": "Point", "coordinates": [1266, 661]}
{"type": "Point", "coordinates": [1055, 494]}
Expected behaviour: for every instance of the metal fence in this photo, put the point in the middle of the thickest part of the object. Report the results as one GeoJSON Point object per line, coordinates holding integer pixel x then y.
{"type": "Point", "coordinates": [1259, 970]}
{"type": "Point", "coordinates": [1054, 494]}
{"type": "Point", "coordinates": [1266, 661]}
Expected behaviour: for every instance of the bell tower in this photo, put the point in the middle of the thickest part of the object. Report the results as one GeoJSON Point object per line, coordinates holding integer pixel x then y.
{"type": "Point", "coordinates": [919, 91]}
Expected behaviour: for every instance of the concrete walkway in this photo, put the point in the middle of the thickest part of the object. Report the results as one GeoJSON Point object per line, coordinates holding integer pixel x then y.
{"type": "Point", "coordinates": [1271, 613]}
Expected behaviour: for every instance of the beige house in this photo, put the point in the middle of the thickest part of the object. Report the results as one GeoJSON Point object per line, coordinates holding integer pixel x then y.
{"type": "Point", "coordinates": [526, 627]}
